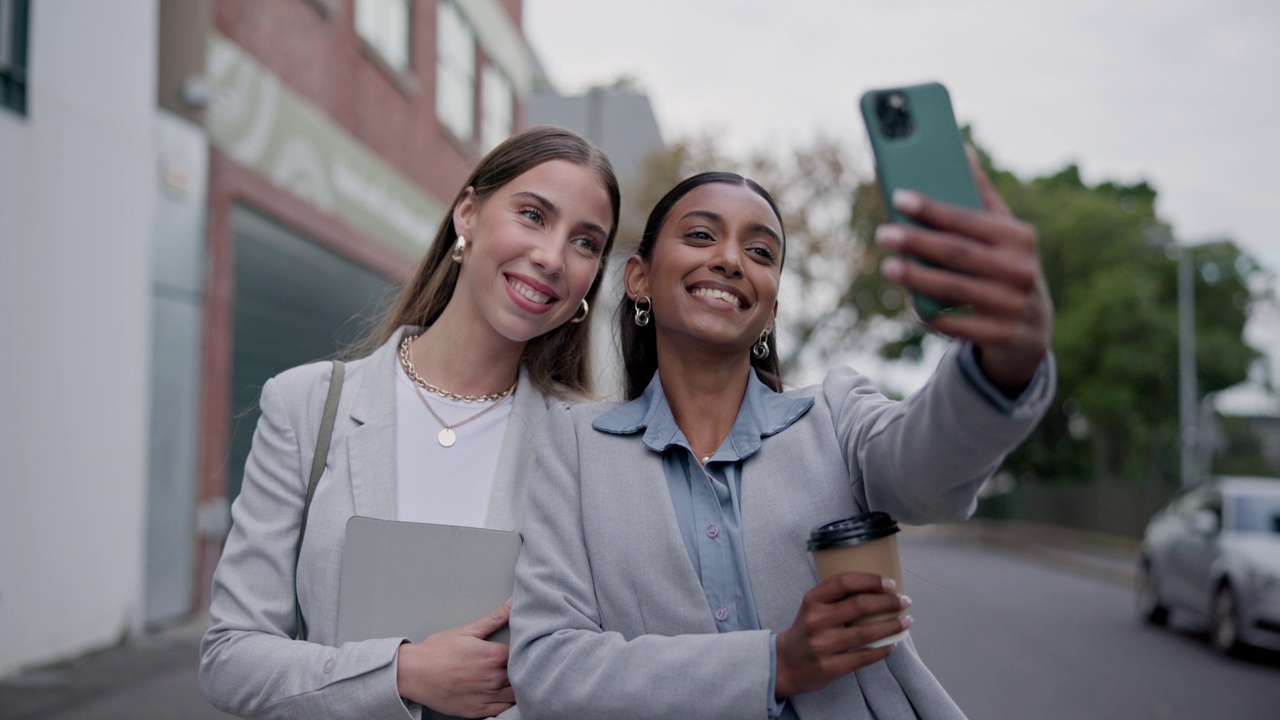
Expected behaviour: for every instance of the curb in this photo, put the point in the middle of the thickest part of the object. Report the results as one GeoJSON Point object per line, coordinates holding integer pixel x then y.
{"type": "Point", "coordinates": [1111, 558]}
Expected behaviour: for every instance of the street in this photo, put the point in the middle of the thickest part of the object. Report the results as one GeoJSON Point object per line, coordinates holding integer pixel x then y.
{"type": "Point", "coordinates": [1009, 637]}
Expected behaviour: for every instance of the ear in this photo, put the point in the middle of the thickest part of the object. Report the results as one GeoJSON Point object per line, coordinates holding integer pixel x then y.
{"type": "Point", "coordinates": [464, 213]}
{"type": "Point", "coordinates": [773, 317]}
{"type": "Point", "coordinates": [635, 277]}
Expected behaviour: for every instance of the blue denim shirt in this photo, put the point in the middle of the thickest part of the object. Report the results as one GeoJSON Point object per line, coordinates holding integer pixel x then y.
{"type": "Point", "coordinates": [706, 499]}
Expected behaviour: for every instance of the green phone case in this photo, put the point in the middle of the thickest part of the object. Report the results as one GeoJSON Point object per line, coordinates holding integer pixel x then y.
{"type": "Point", "coordinates": [928, 158]}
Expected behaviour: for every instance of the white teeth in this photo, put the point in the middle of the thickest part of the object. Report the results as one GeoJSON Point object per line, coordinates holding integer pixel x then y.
{"type": "Point", "coordinates": [530, 293]}
{"type": "Point", "coordinates": [718, 295]}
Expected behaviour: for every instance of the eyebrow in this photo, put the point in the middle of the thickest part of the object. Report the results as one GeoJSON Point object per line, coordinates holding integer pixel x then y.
{"type": "Point", "coordinates": [551, 209]}
{"type": "Point", "coordinates": [717, 218]}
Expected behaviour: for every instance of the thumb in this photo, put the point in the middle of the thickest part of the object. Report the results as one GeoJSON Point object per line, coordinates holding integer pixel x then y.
{"type": "Point", "coordinates": [490, 622]}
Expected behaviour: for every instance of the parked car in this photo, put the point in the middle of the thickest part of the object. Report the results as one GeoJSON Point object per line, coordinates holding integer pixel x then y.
{"type": "Point", "coordinates": [1214, 551]}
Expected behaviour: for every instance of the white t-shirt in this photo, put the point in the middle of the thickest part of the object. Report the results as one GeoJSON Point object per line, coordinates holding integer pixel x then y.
{"type": "Point", "coordinates": [445, 485]}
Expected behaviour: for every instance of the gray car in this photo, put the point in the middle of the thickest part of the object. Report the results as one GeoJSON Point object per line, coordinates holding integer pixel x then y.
{"type": "Point", "coordinates": [1214, 551]}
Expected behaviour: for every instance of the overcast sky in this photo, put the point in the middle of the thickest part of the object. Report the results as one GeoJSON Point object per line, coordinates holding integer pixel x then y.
{"type": "Point", "coordinates": [1182, 93]}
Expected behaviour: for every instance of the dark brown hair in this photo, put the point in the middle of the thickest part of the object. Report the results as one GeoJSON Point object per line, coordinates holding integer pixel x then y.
{"type": "Point", "coordinates": [639, 344]}
{"type": "Point", "coordinates": [558, 362]}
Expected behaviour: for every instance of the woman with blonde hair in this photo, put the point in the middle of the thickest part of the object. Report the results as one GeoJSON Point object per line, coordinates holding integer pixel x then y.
{"type": "Point", "coordinates": [433, 425]}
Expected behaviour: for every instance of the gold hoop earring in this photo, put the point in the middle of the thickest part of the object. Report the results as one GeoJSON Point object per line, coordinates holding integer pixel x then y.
{"type": "Point", "coordinates": [585, 310]}
{"type": "Point", "coordinates": [643, 313]}
{"type": "Point", "coordinates": [761, 349]}
{"type": "Point", "coordinates": [459, 248]}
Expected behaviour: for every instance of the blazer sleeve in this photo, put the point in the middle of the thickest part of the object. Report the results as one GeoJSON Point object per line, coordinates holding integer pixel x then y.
{"type": "Point", "coordinates": [923, 460]}
{"type": "Point", "coordinates": [564, 664]}
{"type": "Point", "coordinates": [250, 664]}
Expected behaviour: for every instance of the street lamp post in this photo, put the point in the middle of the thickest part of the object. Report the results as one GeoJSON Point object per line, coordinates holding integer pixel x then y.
{"type": "Point", "coordinates": [1187, 390]}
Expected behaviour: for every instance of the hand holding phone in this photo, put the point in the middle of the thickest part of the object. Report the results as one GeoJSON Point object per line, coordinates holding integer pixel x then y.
{"type": "Point", "coordinates": [917, 146]}
{"type": "Point", "coordinates": [970, 249]}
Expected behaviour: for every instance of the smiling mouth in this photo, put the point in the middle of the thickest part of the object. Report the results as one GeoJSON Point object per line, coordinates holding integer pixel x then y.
{"type": "Point", "coordinates": [721, 295]}
{"type": "Point", "coordinates": [529, 293]}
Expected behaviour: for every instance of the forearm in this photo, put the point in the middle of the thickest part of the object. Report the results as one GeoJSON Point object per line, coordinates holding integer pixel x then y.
{"type": "Point", "coordinates": [257, 674]}
{"type": "Point", "coordinates": [583, 673]}
{"type": "Point", "coordinates": [924, 459]}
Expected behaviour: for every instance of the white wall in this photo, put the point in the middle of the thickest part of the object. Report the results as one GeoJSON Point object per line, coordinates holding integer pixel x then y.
{"type": "Point", "coordinates": [77, 186]}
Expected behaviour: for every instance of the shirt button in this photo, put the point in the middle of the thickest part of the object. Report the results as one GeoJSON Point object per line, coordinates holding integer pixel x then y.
{"type": "Point", "coordinates": [722, 613]}
{"type": "Point", "coordinates": [713, 531]}
{"type": "Point", "coordinates": [329, 665]}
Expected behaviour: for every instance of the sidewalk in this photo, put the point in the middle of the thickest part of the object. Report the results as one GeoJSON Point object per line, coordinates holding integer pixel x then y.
{"type": "Point", "coordinates": [155, 676]}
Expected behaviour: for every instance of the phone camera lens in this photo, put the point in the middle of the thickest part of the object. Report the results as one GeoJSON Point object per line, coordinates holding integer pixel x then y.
{"type": "Point", "coordinates": [894, 115]}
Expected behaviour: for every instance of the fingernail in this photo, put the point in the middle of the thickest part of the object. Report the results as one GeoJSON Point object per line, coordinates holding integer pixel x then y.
{"type": "Point", "coordinates": [888, 584]}
{"type": "Point", "coordinates": [906, 601]}
{"type": "Point", "coordinates": [907, 621]}
{"type": "Point", "coordinates": [890, 236]}
{"type": "Point", "coordinates": [907, 200]}
{"type": "Point", "coordinates": [892, 268]}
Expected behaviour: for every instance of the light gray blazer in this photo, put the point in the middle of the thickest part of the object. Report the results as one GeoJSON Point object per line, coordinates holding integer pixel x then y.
{"type": "Point", "coordinates": [610, 619]}
{"type": "Point", "coordinates": [250, 665]}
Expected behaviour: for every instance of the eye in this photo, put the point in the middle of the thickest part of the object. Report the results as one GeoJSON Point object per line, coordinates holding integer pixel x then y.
{"type": "Point", "coordinates": [763, 252]}
{"type": "Point", "coordinates": [588, 243]}
{"type": "Point", "coordinates": [702, 235]}
{"type": "Point", "coordinates": [533, 214]}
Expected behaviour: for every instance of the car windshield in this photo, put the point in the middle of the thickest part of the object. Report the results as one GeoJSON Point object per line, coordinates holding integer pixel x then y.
{"type": "Point", "coordinates": [1258, 513]}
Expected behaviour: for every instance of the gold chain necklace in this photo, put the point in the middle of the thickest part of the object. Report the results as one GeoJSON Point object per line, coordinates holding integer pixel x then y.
{"type": "Point", "coordinates": [447, 437]}
{"type": "Point", "coordinates": [407, 362]}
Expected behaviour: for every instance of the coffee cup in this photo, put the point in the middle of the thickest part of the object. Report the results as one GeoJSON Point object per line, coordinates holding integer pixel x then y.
{"type": "Point", "coordinates": [864, 543]}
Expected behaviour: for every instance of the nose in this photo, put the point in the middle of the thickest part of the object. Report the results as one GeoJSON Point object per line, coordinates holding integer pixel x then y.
{"type": "Point", "coordinates": [727, 259]}
{"type": "Point", "coordinates": [548, 255]}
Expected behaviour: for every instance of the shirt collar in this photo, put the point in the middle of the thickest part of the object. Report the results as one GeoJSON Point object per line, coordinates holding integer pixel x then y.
{"type": "Point", "coordinates": [764, 412]}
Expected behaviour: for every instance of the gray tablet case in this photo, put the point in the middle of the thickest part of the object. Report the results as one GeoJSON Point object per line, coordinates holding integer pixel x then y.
{"type": "Point", "coordinates": [406, 579]}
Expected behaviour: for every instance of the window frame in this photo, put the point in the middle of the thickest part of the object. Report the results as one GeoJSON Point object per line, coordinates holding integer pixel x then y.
{"type": "Point", "coordinates": [375, 42]}
{"type": "Point", "coordinates": [459, 121]}
{"type": "Point", "coordinates": [488, 137]}
{"type": "Point", "coordinates": [15, 18]}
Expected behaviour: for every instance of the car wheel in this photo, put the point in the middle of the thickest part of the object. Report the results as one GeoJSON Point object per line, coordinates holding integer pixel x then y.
{"type": "Point", "coordinates": [1150, 608]}
{"type": "Point", "coordinates": [1224, 632]}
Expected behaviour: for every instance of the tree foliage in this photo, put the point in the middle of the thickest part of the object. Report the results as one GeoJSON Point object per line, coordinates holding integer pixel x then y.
{"type": "Point", "coordinates": [1111, 263]}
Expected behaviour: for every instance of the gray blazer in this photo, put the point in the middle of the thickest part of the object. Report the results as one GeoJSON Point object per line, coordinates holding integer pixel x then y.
{"type": "Point", "coordinates": [250, 665]}
{"type": "Point", "coordinates": [610, 620]}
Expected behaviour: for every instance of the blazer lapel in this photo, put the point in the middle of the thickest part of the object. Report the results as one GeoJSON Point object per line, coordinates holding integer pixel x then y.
{"type": "Point", "coordinates": [371, 444]}
{"type": "Point", "coordinates": [516, 456]}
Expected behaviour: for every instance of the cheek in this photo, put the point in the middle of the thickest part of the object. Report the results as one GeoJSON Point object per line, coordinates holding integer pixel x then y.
{"type": "Point", "coordinates": [582, 275]}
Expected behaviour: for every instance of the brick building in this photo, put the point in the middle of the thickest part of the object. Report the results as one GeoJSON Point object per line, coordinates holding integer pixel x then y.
{"type": "Point", "coordinates": [195, 195]}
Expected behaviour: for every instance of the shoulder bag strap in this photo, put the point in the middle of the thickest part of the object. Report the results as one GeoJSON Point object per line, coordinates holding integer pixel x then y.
{"type": "Point", "coordinates": [317, 469]}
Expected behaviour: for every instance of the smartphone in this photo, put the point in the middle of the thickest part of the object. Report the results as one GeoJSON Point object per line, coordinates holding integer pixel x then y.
{"type": "Point", "coordinates": [917, 146]}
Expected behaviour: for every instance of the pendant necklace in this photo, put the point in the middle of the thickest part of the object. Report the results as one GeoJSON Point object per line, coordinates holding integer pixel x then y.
{"type": "Point", "coordinates": [446, 437]}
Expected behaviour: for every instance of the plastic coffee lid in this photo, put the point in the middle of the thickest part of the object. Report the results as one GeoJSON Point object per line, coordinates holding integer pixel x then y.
{"type": "Point", "coordinates": [852, 531]}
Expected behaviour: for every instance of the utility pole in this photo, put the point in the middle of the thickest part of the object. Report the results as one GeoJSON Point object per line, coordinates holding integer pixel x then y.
{"type": "Point", "coordinates": [1188, 407]}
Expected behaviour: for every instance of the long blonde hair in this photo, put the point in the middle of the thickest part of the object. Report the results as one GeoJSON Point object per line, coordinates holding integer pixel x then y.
{"type": "Point", "coordinates": [558, 362]}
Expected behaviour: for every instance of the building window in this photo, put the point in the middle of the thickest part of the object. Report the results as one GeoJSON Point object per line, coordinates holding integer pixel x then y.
{"type": "Point", "coordinates": [384, 24]}
{"type": "Point", "coordinates": [497, 107]}
{"type": "Point", "coordinates": [14, 21]}
{"type": "Point", "coordinates": [455, 71]}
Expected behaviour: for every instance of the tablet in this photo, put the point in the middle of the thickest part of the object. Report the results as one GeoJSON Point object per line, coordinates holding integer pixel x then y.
{"type": "Point", "coordinates": [407, 579]}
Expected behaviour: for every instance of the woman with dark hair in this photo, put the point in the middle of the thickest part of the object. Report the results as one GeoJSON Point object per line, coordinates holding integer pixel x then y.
{"type": "Point", "coordinates": [664, 571]}
{"type": "Point", "coordinates": [433, 425]}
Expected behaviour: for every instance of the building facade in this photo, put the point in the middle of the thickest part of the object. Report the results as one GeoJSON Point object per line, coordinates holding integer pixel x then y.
{"type": "Point", "coordinates": [194, 196]}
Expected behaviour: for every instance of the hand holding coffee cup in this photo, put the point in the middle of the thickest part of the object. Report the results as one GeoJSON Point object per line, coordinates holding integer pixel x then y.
{"type": "Point", "coordinates": [849, 620]}
{"type": "Point", "coordinates": [864, 543]}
